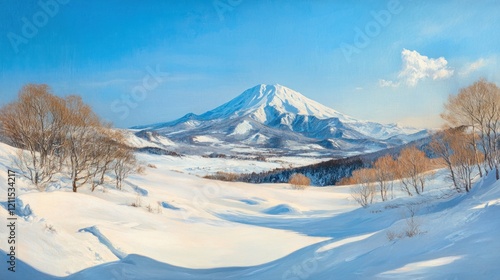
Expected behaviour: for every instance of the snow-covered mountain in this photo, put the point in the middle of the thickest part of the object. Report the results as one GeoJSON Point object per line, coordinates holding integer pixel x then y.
{"type": "Point", "coordinates": [274, 116]}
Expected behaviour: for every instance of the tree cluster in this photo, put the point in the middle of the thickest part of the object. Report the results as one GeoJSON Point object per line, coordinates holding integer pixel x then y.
{"type": "Point", "coordinates": [470, 143]}
{"type": "Point", "coordinates": [468, 146]}
{"type": "Point", "coordinates": [63, 135]}
{"type": "Point", "coordinates": [410, 169]}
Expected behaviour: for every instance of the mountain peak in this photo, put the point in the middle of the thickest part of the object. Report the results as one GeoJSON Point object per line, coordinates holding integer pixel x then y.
{"type": "Point", "coordinates": [264, 91]}
{"type": "Point", "coordinates": [261, 100]}
{"type": "Point", "coordinates": [276, 116]}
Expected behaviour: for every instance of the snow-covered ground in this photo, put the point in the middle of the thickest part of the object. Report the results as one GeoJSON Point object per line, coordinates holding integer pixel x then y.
{"type": "Point", "coordinates": [201, 166]}
{"type": "Point", "coordinates": [196, 164]}
{"type": "Point", "coordinates": [203, 229]}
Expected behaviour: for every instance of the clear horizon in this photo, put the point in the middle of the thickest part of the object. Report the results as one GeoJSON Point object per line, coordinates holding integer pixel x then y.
{"type": "Point", "coordinates": [384, 61]}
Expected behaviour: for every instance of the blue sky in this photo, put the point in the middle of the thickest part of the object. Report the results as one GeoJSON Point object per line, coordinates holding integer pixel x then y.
{"type": "Point", "coordinates": [141, 62]}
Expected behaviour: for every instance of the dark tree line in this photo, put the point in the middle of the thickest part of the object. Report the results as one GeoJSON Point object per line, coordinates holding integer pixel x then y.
{"type": "Point", "coordinates": [321, 174]}
{"type": "Point", "coordinates": [329, 173]}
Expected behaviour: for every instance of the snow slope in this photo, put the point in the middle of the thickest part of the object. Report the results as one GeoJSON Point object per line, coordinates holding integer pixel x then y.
{"type": "Point", "coordinates": [202, 229]}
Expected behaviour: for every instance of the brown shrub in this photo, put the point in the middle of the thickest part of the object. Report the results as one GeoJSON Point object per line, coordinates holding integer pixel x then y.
{"type": "Point", "coordinates": [223, 176]}
{"type": "Point", "coordinates": [299, 181]}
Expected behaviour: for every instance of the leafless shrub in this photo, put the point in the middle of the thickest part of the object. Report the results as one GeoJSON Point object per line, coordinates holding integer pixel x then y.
{"type": "Point", "coordinates": [137, 202]}
{"type": "Point", "coordinates": [141, 170]}
{"type": "Point", "coordinates": [50, 228]}
{"type": "Point", "coordinates": [363, 194]}
{"type": "Point", "coordinates": [412, 222]}
{"type": "Point", "coordinates": [412, 227]}
{"type": "Point", "coordinates": [223, 176]}
{"type": "Point", "coordinates": [392, 235]}
{"type": "Point", "coordinates": [346, 181]}
{"type": "Point", "coordinates": [299, 181]}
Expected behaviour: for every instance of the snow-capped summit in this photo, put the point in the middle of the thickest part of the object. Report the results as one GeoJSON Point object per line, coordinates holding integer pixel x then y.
{"type": "Point", "coordinates": [274, 116]}
{"type": "Point", "coordinates": [263, 102]}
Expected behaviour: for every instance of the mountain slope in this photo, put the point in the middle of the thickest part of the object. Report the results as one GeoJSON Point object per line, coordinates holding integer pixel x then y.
{"type": "Point", "coordinates": [274, 116]}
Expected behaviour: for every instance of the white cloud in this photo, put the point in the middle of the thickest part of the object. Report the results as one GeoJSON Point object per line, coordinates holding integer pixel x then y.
{"type": "Point", "coordinates": [474, 66]}
{"type": "Point", "coordinates": [417, 67]}
{"type": "Point", "coordinates": [385, 83]}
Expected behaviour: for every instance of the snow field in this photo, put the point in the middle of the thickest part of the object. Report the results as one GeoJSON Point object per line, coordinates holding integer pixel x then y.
{"type": "Point", "coordinates": [204, 229]}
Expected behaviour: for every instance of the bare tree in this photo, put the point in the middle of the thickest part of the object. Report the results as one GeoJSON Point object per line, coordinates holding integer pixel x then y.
{"type": "Point", "coordinates": [478, 108]}
{"type": "Point", "coordinates": [456, 149]}
{"type": "Point", "coordinates": [57, 134]}
{"type": "Point", "coordinates": [108, 143]}
{"type": "Point", "coordinates": [413, 165]}
{"type": "Point", "coordinates": [385, 173]}
{"type": "Point", "coordinates": [34, 123]}
{"type": "Point", "coordinates": [463, 160]}
{"type": "Point", "coordinates": [364, 192]}
{"type": "Point", "coordinates": [441, 146]}
{"type": "Point", "coordinates": [124, 164]}
{"type": "Point", "coordinates": [81, 127]}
